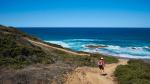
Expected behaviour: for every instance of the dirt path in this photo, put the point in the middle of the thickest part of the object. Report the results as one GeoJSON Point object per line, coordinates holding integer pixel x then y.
{"type": "Point", "coordinates": [90, 75]}
{"type": "Point", "coordinates": [61, 49]}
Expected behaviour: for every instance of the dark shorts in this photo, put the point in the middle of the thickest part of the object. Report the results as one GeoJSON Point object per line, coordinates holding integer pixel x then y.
{"type": "Point", "coordinates": [101, 67]}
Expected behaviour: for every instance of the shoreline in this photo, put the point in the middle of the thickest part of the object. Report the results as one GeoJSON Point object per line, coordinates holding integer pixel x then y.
{"type": "Point", "coordinates": [119, 57]}
{"type": "Point", "coordinates": [130, 52]}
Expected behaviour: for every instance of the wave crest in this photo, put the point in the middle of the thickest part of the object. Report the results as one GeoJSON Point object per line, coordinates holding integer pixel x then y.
{"type": "Point", "coordinates": [110, 49]}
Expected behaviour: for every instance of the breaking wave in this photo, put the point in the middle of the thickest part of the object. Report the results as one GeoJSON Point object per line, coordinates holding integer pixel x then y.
{"type": "Point", "coordinates": [119, 48]}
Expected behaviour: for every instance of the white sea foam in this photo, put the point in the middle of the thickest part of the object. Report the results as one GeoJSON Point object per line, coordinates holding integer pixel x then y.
{"type": "Point", "coordinates": [129, 52]}
{"type": "Point", "coordinates": [114, 50]}
{"type": "Point", "coordinates": [147, 47]}
{"type": "Point", "coordinates": [94, 44]}
{"type": "Point", "coordinates": [113, 47]}
{"type": "Point", "coordinates": [59, 43]}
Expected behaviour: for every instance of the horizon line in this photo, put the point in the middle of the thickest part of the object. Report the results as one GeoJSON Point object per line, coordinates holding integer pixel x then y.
{"type": "Point", "coordinates": [80, 27]}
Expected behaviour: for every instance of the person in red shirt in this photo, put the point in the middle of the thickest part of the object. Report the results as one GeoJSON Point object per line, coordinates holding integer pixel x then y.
{"type": "Point", "coordinates": [101, 64]}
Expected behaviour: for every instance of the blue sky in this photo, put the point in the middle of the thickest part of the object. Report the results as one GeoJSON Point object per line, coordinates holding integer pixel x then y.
{"type": "Point", "coordinates": [75, 13]}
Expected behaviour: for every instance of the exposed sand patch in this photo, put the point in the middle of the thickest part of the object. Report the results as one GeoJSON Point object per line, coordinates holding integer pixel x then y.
{"type": "Point", "coordinates": [90, 75]}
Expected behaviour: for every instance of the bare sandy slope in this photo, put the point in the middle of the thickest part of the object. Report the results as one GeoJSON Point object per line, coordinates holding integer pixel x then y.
{"type": "Point", "coordinates": [61, 49]}
{"type": "Point", "coordinates": [90, 75]}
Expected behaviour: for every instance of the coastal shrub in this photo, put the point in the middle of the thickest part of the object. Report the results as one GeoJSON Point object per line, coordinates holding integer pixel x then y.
{"type": "Point", "coordinates": [16, 52]}
{"type": "Point", "coordinates": [78, 60]}
{"type": "Point", "coordinates": [108, 59]}
{"type": "Point", "coordinates": [86, 60]}
{"type": "Point", "coordinates": [136, 72]}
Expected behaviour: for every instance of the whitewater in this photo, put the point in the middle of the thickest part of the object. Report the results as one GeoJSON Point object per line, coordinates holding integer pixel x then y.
{"type": "Point", "coordinates": [122, 48]}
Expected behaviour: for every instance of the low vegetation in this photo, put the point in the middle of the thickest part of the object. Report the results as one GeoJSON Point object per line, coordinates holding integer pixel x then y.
{"type": "Point", "coordinates": [136, 72]}
{"type": "Point", "coordinates": [77, 60]}
{"type": "Point", "coordinates": [16, 52]}
{"type": "Point", "coordinates": [108, 59]}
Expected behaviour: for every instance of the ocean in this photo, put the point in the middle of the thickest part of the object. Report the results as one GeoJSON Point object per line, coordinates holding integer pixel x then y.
{"type": "Point", "coordinates": [121, 42]}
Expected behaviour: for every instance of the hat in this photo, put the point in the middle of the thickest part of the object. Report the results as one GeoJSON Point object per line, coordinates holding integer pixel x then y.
{"type": "Point", "coordinates": [102, 58]}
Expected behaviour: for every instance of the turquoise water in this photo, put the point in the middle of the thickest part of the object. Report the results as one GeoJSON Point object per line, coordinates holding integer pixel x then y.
{"type": "Point", "coordinates": [122, 42]}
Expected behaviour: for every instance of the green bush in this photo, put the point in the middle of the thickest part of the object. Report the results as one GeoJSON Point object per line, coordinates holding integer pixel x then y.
{"type": "Point", "coordinates": [16, 52]}
{"type": "Point", "coordinates": [78, 60]}
{"type": "Point", "coordinates": [108, 59]}
{"type": "Point", "coordinates": [86, 60]}
{"type": "Point", "coordinates": [136, 72]}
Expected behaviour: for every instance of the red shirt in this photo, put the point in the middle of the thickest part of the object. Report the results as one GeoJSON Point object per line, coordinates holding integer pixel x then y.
{"type": "Point", "coordinates": [101, 62]}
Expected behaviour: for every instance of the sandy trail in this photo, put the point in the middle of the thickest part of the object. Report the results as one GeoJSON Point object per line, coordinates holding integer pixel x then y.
{"type": "Point", "coordinates": [90, 75]}
{"type": "Point", "coordinates": [61, 49]}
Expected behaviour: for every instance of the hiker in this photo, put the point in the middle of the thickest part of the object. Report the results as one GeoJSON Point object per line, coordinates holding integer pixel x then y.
{"type": "Point", "coordinates": [101, 64]}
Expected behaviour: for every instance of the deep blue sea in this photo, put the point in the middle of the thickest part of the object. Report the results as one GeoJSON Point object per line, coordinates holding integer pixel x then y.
{"type": "Point", "coordinates": [122, 42]}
